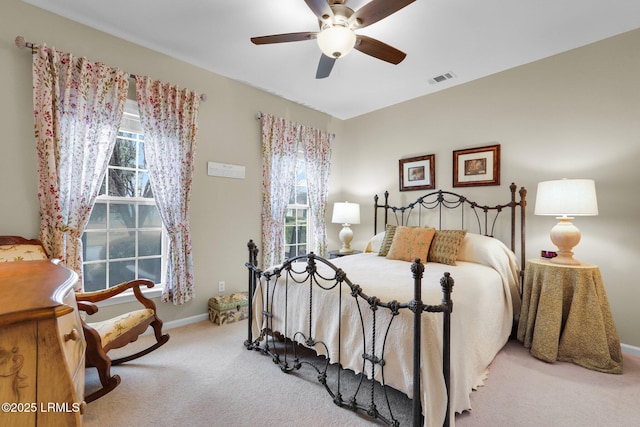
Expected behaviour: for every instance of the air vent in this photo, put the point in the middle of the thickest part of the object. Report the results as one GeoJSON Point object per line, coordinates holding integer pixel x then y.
{"type": "Point", "coordinates": [442, 78]}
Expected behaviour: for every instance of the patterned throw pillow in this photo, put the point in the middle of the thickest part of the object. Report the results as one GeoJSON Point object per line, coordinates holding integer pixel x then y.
{"type": "Point", "coordinates": [410, 243]}
{"type": "Point", "coordinates": [388, 239]}
{"type": "Point", "coordinates": [445, 246]}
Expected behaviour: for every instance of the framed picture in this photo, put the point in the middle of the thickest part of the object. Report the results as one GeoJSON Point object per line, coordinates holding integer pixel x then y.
{"type": "Point", "coordinates": [418, 173]}
{"type": "Point", "coordinates": [476, 166]}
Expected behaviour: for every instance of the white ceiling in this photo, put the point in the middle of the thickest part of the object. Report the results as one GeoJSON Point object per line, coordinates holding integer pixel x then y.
{"type": "Point", "coordinates": [469, 38]}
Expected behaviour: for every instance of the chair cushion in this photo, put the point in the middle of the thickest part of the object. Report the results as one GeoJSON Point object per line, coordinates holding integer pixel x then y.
{"type": "Point", "coordinates": [111, 329]}
{"type": "Point", "coordinates": [10, 253]}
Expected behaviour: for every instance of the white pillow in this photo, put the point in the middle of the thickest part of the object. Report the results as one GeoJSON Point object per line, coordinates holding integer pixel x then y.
{"type": "Point", "coordinates": [480, 249]}
{"type": "Point", "coordinates": [373, 245]}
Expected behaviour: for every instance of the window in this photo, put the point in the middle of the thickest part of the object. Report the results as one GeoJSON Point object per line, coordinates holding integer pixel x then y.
{"type": "Point", "coordinates": [296, 227]}
{"type": "Point", "coordinates": [124, 238]}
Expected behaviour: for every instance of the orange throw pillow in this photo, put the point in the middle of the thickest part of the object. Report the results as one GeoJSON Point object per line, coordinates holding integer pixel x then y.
{"type": "Point", "coordinates": [410, 243]}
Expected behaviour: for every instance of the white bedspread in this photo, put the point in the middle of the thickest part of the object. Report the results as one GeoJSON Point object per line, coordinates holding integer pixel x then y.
{"type": "Point", "coordinates": [481, 323]}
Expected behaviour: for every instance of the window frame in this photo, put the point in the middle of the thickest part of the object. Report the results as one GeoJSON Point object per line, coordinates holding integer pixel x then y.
{"type": "Point", "coordinates": [300, 160]}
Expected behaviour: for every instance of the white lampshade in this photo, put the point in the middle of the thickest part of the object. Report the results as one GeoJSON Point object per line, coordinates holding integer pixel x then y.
{"type": "Point", "coordinates": [565, 199]}
{"type": "Point", "coordinates": [336, 41]}
{"type": "Point", "coordinates": [346, 213]}
{"type": "Point", "coordinates": [569, 197]}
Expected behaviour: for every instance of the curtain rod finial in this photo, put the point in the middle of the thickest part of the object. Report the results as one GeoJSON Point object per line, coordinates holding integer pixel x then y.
{"type": "Point", "coordinates": [21, 42]}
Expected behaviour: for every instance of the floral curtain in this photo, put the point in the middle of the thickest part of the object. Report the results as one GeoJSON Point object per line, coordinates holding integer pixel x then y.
{"type": "Point", "coordinates": [280, 139]}
{"type": "Point", "coordinates": [169, 119]}
{"type": "Point", "coordinates": [77, 108]}
{"type": "Point", "coordinates": [279, 151]}
{"type": "Point", "coordinates": [317, 156]}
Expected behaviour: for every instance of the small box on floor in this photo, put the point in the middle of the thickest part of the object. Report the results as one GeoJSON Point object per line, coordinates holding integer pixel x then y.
{"type": "Point", "coordinates": [229, 308]}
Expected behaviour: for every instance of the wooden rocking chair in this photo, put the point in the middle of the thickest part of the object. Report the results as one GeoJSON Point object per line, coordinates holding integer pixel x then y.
{"type": "Point", "coordinates": [100, 336]}
{"type": "Point", "coordinates": [117, 332]}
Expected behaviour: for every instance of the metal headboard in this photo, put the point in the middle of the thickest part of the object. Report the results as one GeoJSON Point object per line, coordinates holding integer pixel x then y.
{"type": "Point", "coordinates": [485, 216]}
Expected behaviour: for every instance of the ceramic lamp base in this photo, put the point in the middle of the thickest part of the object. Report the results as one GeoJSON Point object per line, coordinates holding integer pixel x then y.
{"type": "Point", "coordinates": [565, 236]}
{"type": "Point", "coordinates": [346, 235]}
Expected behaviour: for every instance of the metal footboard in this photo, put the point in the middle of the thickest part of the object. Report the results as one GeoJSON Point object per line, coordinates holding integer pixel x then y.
{"type": "Point", "coordinates": [281, 340]}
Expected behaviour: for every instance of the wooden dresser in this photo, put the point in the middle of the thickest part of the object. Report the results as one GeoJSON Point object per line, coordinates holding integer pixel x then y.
{"type": "Point", "coordinates": [42, 346]}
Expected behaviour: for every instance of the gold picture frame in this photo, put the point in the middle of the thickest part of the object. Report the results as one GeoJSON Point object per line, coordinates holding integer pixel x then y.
{"type": "Point", "coordinates": [418, 173]}
{"type": "Point", "coordinates": [476, 166]}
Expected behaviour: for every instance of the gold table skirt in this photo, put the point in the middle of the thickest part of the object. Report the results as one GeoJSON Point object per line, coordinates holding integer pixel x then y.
{"type": "Point", "coordinates": [566, 316]}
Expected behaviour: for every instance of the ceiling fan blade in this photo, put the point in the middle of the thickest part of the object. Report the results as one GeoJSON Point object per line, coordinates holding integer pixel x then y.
{"type": "Point", "coordinates": [379, 50]}
{"type": "Point", "coordinates": [376, 10]}
{"type": "Point", "coordinates": [283, 38]}
{"type": "Point", "coordinates": [325, 66]}
{"type": "Point", "coordinates": [321, 9]}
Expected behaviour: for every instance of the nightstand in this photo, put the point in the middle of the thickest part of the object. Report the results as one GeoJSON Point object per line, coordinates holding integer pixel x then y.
{"type": "Point", "coordinates": [565, 316]}
{"type": "Point", "coordinates": [337, 254]}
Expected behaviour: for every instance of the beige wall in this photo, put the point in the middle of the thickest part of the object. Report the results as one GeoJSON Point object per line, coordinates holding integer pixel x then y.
{"type": "Point", "coordinates": [572, 115]}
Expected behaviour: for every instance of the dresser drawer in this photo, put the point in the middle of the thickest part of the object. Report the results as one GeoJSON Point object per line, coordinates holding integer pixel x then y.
{"type": "Point", "coordinates": [72, 337]}
{"type": "Point", "coordinates": [78, 383]}
{"type": "Point", "coordinates": [18, 362]}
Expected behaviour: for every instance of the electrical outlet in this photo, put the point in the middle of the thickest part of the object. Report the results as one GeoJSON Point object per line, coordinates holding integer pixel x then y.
{"type": "Point", "coordinates": [221, 286]}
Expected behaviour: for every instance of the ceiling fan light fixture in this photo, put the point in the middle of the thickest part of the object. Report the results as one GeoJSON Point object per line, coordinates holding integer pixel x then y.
{"type": "Point", "coordinates": [336, 41]}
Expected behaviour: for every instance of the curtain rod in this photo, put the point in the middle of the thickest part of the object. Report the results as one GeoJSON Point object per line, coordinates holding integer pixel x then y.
{"type": "Point", "coordinates": [260, 115]}
{"type": "Point", "coordinates": [23, 44]}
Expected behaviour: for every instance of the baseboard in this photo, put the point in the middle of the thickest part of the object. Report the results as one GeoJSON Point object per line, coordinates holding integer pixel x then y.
{"type": "Point", "coordinates": [630, 350]}
{"type": "Point", "coordinates": [186, 321]}
{"type": "Point", "coordinates": [180, 322]}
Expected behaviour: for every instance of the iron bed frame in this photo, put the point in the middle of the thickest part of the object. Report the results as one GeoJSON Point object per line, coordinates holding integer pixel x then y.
{"type": "Point", "coordinates": [303, 271]}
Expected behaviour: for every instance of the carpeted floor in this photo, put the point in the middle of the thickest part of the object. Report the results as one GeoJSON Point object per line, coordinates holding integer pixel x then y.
{"type": "Point", "coordinates": [205, 377]}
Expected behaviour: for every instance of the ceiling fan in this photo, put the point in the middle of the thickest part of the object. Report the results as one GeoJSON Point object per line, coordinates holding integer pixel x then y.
{"type": "Point", "coordinates": [337, 36]}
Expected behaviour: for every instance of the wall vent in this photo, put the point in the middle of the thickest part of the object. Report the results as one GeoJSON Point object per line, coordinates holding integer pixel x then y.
{"type": "Point", "coordinates": [442, 78]}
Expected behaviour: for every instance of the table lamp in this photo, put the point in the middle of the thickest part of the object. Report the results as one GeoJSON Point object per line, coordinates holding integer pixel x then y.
{"type": "Point", "coordinates": [564, 199]}
{"type": "Point", "coordinates": [346, 213]}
